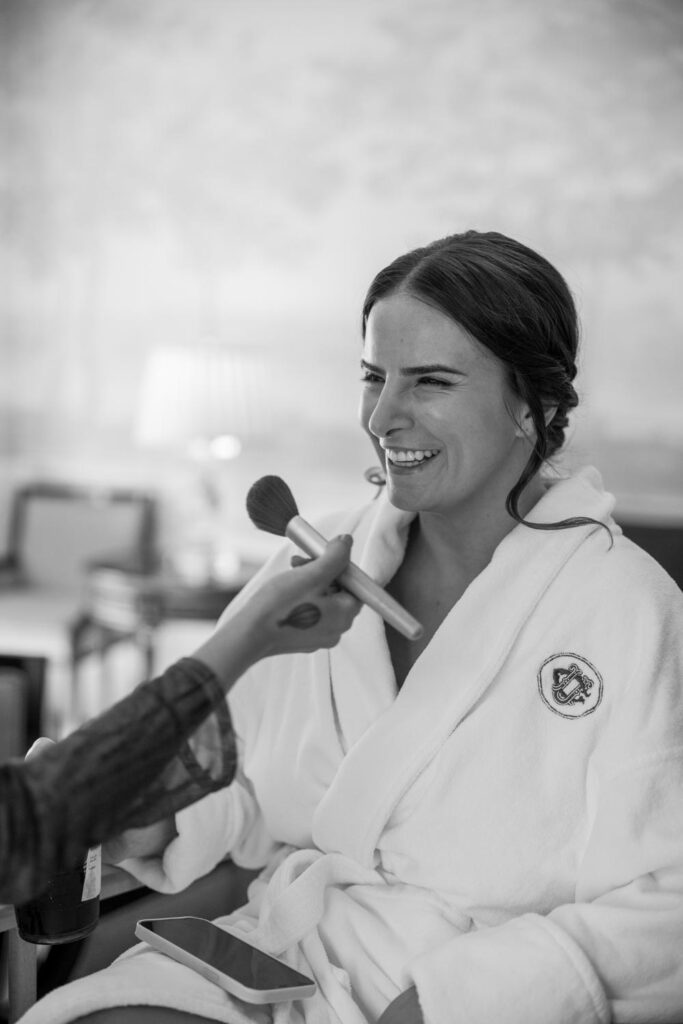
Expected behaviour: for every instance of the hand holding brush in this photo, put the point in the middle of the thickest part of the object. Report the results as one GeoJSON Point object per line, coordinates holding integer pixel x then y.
{"type": "Point", "coordinates": [271, 507]}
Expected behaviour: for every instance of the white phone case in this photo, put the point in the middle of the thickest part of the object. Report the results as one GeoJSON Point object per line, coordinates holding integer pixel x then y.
{"type": "Point", "coordinates": [225, 981]}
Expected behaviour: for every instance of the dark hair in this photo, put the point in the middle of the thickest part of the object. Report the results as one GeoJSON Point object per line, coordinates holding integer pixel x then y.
{"type": "Point", "coordinates": [514, 302]}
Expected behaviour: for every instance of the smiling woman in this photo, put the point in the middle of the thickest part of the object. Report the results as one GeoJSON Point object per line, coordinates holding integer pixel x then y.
{"type": "Point", "coordinates": [483, 825]}
{"type": "Point", "coordinates": [439, 411]}
{"type": "Point", "coordinates": [486, 295]}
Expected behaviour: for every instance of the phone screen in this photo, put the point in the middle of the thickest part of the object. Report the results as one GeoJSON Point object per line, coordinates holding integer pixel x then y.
{"type": "Point", "coordinates": [250, 966]}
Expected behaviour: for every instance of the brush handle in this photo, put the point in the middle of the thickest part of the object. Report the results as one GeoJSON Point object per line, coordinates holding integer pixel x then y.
{"type": "Point", "coordinates": [356, 581]}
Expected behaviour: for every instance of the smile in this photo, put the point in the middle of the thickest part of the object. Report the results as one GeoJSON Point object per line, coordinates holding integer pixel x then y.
{"type": "Point", "coordinates": [408, 458]}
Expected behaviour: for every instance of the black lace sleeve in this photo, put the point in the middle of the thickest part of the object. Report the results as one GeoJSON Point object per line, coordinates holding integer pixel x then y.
{"type": "Point", "coordinates": [163, 747]}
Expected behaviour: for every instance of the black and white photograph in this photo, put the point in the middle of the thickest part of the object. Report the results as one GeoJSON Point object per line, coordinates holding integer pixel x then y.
{"type": "Point", "coordinates": [341, 512]}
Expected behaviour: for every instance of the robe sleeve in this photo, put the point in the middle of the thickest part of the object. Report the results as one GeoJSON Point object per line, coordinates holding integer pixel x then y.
{"type": "Point", "coordinates": [616, 952]}
{"type": "Point", "coordinates": [163, 747]}
{"type": "Point", "coordinates": [228, 821]}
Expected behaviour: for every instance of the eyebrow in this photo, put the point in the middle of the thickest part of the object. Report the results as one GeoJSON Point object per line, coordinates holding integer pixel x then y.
{"type": "Point", "coordinates": [409, 371]}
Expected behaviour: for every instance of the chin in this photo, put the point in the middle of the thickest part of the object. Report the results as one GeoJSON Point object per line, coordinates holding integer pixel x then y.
{"type": "Point", "coordinates": [406, 502]}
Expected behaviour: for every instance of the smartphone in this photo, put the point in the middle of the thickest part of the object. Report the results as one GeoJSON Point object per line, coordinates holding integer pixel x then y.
{"type": "Point", "coordinates": [226, 958]}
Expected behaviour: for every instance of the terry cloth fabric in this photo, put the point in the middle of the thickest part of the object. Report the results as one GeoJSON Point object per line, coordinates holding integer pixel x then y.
{"type": "Point", "coordinates": [505, 832]}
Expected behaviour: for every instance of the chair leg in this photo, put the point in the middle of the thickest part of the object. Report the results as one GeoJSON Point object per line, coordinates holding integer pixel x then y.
{"type": "Point", "coordinates": [22, 968]}
{"type": "Point", "coordinates": [34, 669]}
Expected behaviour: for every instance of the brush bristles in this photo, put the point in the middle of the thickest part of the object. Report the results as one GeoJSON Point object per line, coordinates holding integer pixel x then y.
{"type": "Point", "coordinates": [271, 505]}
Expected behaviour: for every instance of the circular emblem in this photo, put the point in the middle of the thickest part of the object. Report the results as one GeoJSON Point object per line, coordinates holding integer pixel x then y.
{"type": "Point", "coordinates": [569, 685]}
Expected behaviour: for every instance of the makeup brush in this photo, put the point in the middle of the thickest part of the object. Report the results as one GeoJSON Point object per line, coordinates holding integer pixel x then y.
{"type": "Point", "coordinates": [271, 507]}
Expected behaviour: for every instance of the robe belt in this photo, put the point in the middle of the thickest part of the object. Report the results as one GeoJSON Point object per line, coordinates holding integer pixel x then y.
{"type": "Point", "coordinates": [294, 901]}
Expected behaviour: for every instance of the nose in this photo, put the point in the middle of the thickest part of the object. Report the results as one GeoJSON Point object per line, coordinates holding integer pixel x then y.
{"type": "Point", "coordinates": [391, 412]}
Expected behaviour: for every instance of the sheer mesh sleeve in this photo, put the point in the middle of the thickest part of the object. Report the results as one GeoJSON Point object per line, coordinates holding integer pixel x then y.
{"type": "Point", "coordinates": [166, 745]}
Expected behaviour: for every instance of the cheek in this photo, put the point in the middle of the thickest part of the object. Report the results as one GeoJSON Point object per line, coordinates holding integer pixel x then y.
{"type": "Point", "coordinates": [473, 434]}
{"type": "Point", "coordinates": [450, 423]}
{"type": "Point", "coordinates": [493, 437]}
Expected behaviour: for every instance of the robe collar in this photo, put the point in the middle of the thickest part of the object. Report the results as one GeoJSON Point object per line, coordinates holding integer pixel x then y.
{"type": "Point", "coordinates": [390, 739]}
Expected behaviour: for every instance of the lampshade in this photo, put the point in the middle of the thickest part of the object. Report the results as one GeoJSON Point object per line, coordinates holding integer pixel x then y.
{"type": "Point", "coordinates": [198, 395]}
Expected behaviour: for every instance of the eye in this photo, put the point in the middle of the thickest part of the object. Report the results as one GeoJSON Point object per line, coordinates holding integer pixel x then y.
{"type": "Point", "coordinates": [435, 382]}
{"type": "Point", "coordinates": [369, 377]}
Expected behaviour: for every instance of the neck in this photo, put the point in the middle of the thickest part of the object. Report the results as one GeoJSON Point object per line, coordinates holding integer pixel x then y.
{"type": "Point", "coordinates": [468, 539]}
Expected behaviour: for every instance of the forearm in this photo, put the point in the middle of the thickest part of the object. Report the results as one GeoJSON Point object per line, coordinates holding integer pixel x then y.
{"type": "Point", "coordinates": [615, 958]}
{"type": "Point", "coordinates": [133, 766]}
{"type": "Point", "coordinates": [525, 971]}
{"type": "Point", "coordinates": [228, 653]}
{"type": "Point", "coordinates": [148, 841]}
{"type": "Point", "coordinates": [404, 1009]}
{"type": "Point", "coordinates": [207, 832]}
{"type": "Point", "coordinates": [113, 773]}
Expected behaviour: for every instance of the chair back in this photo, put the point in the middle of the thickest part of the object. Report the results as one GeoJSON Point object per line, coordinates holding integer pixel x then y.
{"type": "Point", "coordinates": [56, 529]}
{"type": "Point", "coordinates": [13, 713]}
{"type": "Point", "coordinates": [664, 541]}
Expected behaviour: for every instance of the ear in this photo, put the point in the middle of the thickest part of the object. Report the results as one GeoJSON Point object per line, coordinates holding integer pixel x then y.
{"type": "Point", "coordinates": [525, 425]}
{"type": "Point", "coordinates": [525, 428]}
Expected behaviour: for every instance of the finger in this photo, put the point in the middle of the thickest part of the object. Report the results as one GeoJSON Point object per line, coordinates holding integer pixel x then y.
{"type": "Point", "coordinates": [345, 605]}
{"type": "Point", "coordinates": [332, 635]}
{"type": "Point", "coordinates": [334, 559]}
{"type": "Point", "coordinates": [339, 610]}
{"type": "Point", "coordinates": [41, 744]}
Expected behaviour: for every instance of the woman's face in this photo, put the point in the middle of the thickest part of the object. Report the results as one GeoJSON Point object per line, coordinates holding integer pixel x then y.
{"type": "Point", "coordinates": [439, 411]}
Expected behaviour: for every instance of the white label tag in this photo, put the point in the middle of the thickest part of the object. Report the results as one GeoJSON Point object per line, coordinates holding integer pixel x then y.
{"type": "Point", "coordinates": [92, 866]}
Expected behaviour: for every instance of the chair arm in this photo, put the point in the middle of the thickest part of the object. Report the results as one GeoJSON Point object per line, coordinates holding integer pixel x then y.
{"type": "Point", "coordinates": [217, 893]}
{"type": "Point", "coordinates": [10, 573]}
{"type": "Point", "coordinates": [22, 962]}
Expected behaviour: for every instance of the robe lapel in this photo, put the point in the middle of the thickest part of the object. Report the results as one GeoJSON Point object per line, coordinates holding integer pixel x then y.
{"type": "Point", "coordinates": [361, 674]}
{"type": "Point", "coordinates": [453, 672]}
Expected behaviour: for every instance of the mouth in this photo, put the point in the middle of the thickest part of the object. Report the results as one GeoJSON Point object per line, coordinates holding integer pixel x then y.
{"type": "Point", "coordinates": [409, 459]}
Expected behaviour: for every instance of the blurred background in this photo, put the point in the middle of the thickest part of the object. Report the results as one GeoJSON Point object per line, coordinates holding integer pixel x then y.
{"type": "Point", "coordinates": [196, 194]}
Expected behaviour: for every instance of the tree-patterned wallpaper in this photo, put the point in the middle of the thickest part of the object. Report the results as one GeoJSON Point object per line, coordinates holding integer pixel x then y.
{"type": "Point", "coordinates": [184, 168]}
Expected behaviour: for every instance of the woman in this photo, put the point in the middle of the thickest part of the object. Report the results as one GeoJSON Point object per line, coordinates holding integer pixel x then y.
{"type": "Point", "coordinates": [122, 770]}
{"type": "Point", "coordinates": [487, 825]}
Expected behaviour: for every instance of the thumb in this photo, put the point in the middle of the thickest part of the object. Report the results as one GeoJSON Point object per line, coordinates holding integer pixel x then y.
{"type": "Point", "coordinates": [331, 564]}
{"type": "Point", "coordinates": [42, 743]}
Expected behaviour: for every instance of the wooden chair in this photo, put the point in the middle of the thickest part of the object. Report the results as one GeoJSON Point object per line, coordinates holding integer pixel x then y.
{"type": "Point", "coordinates": [21, 698]}
{"type": "Point", "coordinates": [55, 531]}
{"type": "Point", "coordinates": [662, 540]}
{"type": "Point", "coordinates": [219, 892]}
{"type": "Point", "coordinates": [22, 963]}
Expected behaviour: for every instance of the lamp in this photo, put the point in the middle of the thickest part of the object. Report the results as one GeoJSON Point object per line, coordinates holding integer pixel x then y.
{"type": "Point", "coordinates": [197, 400]}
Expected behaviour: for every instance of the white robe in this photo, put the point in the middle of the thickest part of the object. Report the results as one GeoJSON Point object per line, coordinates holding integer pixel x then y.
{"type": "Point", "coordinates": [506, 832]}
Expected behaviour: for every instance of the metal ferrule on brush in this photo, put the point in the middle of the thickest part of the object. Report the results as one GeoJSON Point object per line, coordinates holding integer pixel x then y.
{"type": "Point", "coordinates": [355, 580]}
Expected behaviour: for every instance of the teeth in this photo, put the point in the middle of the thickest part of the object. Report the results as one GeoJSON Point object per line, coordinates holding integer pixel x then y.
{"type": "Point", "coordinates": [416, 455]}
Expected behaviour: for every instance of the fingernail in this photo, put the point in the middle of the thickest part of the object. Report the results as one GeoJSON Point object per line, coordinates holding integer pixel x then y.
{"type": "Point", "coordinates": [346, 537]}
